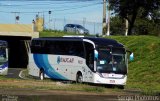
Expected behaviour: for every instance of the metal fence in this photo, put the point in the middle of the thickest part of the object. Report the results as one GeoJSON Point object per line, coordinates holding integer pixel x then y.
{"type": "Point", "coordinates": [58, 24]}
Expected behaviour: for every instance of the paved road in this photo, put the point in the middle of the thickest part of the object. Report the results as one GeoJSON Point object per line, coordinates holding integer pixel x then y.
{"type": "Point", "coordinates": [52, 95]}
{"type": "Point", "coordinates": [14, 73]}
{"type": "Point", "coordinates": [59, 98]}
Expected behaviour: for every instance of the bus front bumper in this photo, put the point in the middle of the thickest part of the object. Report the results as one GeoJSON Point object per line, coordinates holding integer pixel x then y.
{"type": "Point", "coordinates": [116, 80]}
{"type": "Point", "coordinates": [4, 71]}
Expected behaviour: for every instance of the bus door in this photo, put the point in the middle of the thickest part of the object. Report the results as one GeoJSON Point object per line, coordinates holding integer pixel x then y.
{"type": "Point", "coordinates": [89, 49]}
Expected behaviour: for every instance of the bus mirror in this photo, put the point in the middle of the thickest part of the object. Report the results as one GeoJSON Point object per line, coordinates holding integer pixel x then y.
{"type": "Point", "coordinates": [131, 57]}
{"type": "Point", "coordinates": [96, 54]}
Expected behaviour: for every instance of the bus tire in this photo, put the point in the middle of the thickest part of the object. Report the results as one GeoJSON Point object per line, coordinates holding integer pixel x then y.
{"type": "Point", "coordinates": [79, 78]}
{"type": "Point", "coordinates": [121, 87]}
{"type": "Point", "coordinates": [41, 74]}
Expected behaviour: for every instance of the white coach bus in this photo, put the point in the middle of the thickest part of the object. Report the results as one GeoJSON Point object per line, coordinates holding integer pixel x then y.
{"type": "Point", "coordinates": [3, 57]}
{"type": "Point", "coordinates": [81, 59]}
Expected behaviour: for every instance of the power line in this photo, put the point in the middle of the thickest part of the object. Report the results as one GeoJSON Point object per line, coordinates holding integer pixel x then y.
{"type": "Point", "coordinates": [46, 3]}
{"type": "Point", "coordinates": [52, 7]}
{"type": "Point", "coordinates": [58, 6]}
{"type": "Point", "coordinates": [83, 6]}
{"type": "Point", "coordinates": [73, 12]}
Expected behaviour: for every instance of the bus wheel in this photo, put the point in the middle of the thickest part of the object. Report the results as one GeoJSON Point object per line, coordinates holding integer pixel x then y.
{"type": "Point", "coordinates": [121, 87]}
{"type": "Point", "coordinates": [79, 78]}
{"type": "Point", "coordinates": [41, 74]}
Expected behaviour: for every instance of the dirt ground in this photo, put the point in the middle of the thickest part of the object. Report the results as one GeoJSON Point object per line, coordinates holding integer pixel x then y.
{"type": "Point", "coordinates": [56, 95]}
{"type": "Point", "coordinates": [16, 89]}
{"type": "Point", "coordinates": [35, 90]}
{"type": "Point", "coordinates": [30, 90]}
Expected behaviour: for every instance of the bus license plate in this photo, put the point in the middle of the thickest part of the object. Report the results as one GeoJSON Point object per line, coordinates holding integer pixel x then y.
{"type": "Point", "coordinates": [112, 81]}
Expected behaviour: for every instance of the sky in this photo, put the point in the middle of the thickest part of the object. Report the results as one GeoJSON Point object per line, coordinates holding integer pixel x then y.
{"type": "Point", "coordinates": [66, 10]}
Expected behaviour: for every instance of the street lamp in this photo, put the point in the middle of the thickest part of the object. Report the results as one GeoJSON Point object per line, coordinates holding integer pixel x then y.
{"type": "Point", "coordinates": [17, 19]}
{"type": "Point", "coordinates": [49, 12]}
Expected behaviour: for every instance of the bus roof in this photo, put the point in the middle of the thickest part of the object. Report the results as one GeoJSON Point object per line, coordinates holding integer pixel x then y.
{"type": "Point", "coordinates": [96, 40]}
{"type": "Point", "coordinates": [105, 41]}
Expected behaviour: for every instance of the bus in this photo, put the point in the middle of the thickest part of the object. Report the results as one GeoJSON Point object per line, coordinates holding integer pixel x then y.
{"type": "Point", "coordinates": [3, 57]}
{"type": "Point", "coordinates": [80, 59]}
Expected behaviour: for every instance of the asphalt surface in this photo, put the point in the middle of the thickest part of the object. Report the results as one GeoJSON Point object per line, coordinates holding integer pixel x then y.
{"type": "Point", "coordinates": [52, 95]}
{"type": "Point", "coordinates": [59, 98]}
{"type": "Point", "coordinates": [14, 73]}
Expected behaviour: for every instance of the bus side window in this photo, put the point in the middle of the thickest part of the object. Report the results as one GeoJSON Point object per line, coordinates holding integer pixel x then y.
{"type": "Point", "coordinates": [76, 49]}
{"type": "Point", "coordinates": [89, 55]}
{"type": "Point", "coordinates": [37, 46]}
{"type": "Point", "coordinates": [49, 47]}
{"type": "Point", "coordinates": [79, 49]}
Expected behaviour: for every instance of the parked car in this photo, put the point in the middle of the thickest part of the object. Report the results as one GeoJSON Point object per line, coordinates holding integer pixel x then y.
{"type": "Point", "coordinates": [75, 28]}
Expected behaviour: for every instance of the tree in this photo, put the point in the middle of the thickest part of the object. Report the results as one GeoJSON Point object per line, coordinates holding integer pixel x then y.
{"type": "Point", "coordinates": [146, 26]}
{"type": "Point", "coordinates": [117, 26]}
{"type": "Point", "coordinates": [142, 26]}
{"type": "Point", "coordinates": [129, 9]}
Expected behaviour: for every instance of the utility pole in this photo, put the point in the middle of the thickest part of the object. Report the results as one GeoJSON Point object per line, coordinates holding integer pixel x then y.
{"type": "Point", "coordinates": [49, 12]}
{"type": "Point", "coordinates": [43, 21]}
{"type": "Point", "coordinates": [84, 21]}
{"type": "Point", "coordinates": [104, 19]}
{"type": "Point", "coordinates": [108, 29]}
{"type": "Point", "coordinates": [54, 23]}
{"type": "Point", "coordinates": [16, 17]}
{"type": "Point", "coordinates": [94, 27]}
{"type": "Point", "coordinates": [64, 21]}
{"type": "Point", "coordinates": [126, 28]}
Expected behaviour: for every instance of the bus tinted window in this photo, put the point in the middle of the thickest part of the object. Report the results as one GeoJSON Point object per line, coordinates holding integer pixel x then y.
{"type": "Point", "coordinates": [74, 48]}
{"type": "Point", "coordinates": [37, 46]}
{"type": "Point", "coordinates": [89, 55]}
{"type": "Point", "coordinates": [118, 50]}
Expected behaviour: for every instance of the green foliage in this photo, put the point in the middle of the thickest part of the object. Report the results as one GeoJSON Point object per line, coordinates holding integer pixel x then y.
{"type": "Point", "coordinates": [143, 26]}
{"type": "Point", "coordinates": [130, 9]}
{"type": "Point", "coordinates": [146, 27]}
{"type": "Point", "coordinates": [117, 26]}
{"type": "Point", "coordinates": [52, 33]}
{"type": "Point", "coordinates": [56, 33]}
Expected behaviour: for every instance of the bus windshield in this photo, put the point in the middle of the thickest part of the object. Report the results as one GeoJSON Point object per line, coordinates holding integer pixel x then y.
{"type": "Point", "coordinates": [111, 60]}
{"type": "Point", "coordinates": [3, 57]}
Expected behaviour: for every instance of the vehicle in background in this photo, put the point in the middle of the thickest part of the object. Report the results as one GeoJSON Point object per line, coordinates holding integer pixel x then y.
{"type": "Point", "coordinates": [80, 59]}
{"type": "Point", "coordinates": [75, 28]}
{"type": "Point", "coordinates": [3, 58]}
